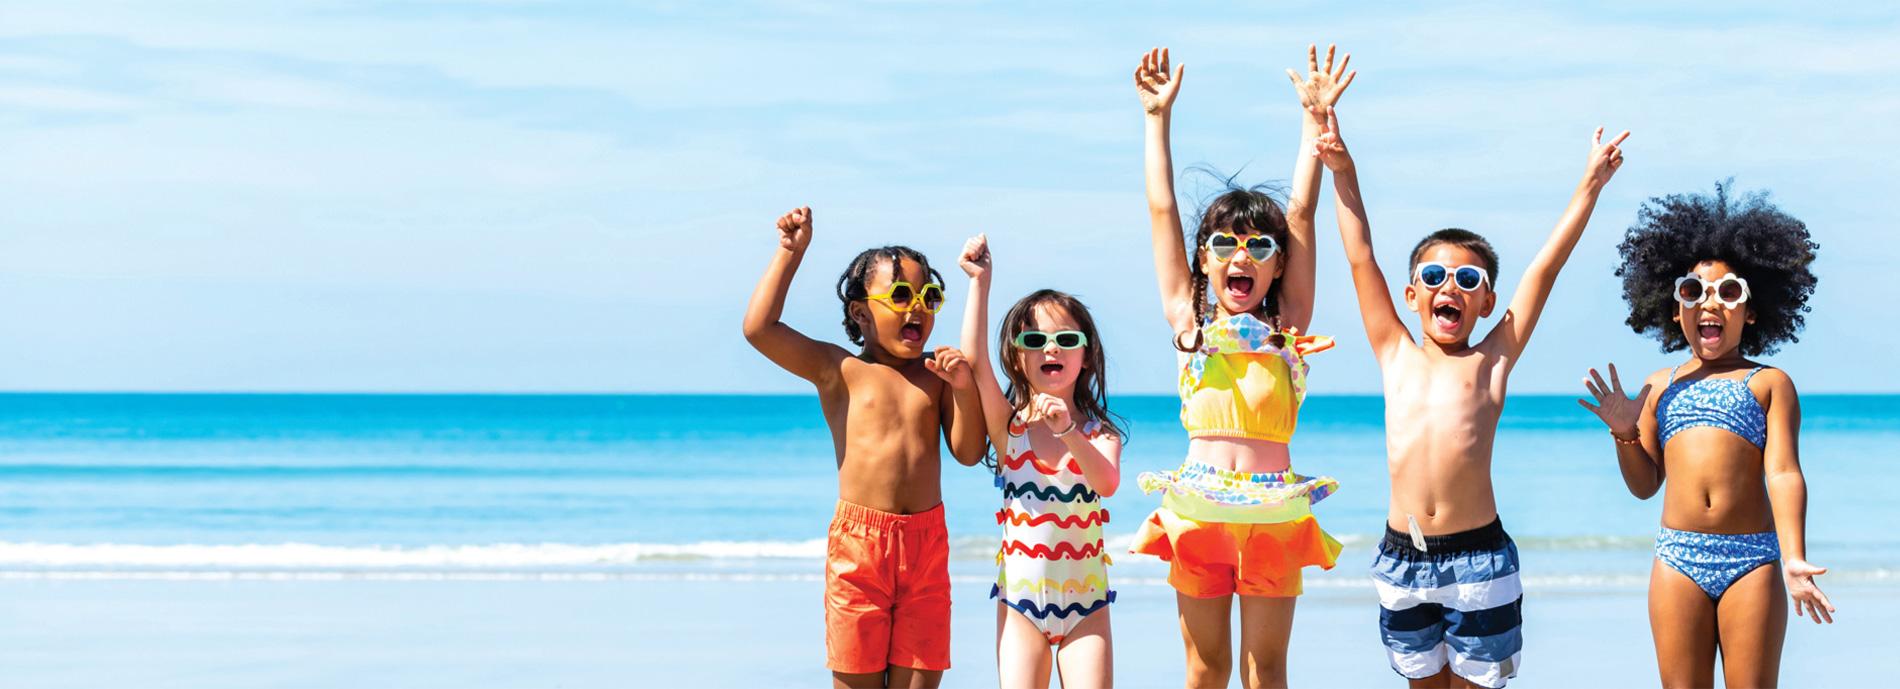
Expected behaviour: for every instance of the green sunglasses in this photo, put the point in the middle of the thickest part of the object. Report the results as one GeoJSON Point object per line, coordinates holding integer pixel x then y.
{"type": "Point", "coordinates": [1036, 339]}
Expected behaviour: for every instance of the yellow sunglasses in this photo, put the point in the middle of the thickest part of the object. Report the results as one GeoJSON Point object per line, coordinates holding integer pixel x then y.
{"type": "Point", "coordinates": [902, 297]}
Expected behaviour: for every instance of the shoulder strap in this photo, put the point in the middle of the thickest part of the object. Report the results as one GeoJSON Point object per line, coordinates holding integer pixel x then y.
{"type": "Point", "coordinates": [1672, 374]}
{"type": "Point", "coordinates": [1751, 374]}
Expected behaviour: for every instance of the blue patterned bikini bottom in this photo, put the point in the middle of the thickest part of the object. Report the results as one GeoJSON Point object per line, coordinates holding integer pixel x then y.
{"type": "Point", "coordinates": [1714, 561]}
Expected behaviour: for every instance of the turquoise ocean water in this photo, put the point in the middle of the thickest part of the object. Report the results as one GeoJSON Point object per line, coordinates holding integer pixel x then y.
{"type": "Point", "coordinates": [479, 486]}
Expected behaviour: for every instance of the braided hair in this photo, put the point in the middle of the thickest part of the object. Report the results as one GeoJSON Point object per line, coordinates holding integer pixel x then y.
{"type": "Point", "coordinates": [1765, 246]}
{"type": "Point", "coordinates": [1236, 209]}
{"type": "Point", "coordinates": [852, 283]}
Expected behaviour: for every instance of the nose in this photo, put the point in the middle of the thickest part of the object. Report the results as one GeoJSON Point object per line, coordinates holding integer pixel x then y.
{"type": "Point", "coordinates": [1050, 349]}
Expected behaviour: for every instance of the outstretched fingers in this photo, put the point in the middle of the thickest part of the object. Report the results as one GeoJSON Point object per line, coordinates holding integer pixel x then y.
{"type": "Point", "coordinates": [1619, 137]}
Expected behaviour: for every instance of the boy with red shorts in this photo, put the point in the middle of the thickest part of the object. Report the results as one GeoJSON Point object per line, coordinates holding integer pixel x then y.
{"type": "Point", "coordinates": [887, 578]}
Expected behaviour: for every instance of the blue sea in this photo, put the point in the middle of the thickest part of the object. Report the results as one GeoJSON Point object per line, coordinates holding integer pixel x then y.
{"type": "Point", "coordinates": [709, 487]}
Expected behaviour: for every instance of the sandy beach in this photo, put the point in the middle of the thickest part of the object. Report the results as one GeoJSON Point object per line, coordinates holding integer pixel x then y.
{"type": "Point", "coordinates": [729, 632]}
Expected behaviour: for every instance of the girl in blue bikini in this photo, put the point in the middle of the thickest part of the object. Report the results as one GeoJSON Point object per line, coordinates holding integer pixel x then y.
{"type": "Point", "coordinates": [1727, 279]}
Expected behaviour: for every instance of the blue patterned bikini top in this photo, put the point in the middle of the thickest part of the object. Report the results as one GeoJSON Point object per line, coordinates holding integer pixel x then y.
{"type": "Point", "coordinates": [1719, 402]}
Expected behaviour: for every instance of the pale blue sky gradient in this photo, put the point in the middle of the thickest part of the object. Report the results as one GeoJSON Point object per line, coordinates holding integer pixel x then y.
{"type": "Point", "coordinates": [556, 197]}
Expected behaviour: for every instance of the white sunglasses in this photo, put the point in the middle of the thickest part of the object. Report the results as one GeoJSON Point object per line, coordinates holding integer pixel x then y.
{"type": "Point", "coordinates": [1730, 291]}
{"type": "Point", "coordinates": [1434, 274]}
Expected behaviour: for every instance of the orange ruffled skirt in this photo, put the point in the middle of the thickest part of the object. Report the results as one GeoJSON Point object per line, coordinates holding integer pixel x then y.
{"type": "Point", "coordinates": [1257, 548]}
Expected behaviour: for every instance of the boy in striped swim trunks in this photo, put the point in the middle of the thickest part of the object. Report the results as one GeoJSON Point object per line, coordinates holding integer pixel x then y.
{"type": "Point", "coordinates": [1446, 572]}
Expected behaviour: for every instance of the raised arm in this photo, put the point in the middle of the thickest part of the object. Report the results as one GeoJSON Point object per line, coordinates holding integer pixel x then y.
{"type": "Point", "coordinates": [1383, 328]}
{"type": "Point", "coordinates": [791, 350]}
{"type": "Point", "coordinates": [1157, 89]}
{"type": "Point", "coordinates": [1788, 495]}
{"type": "Point", "coordinates": [1318, 92]}
{"type": "Point", "coordinates": [1514, 331]}
{"type": "Point", "coordinates": [1632, 425]}
{"type": "Point", "coordinates": [975, 262]}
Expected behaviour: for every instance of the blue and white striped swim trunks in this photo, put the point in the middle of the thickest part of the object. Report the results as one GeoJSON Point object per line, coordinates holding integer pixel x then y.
{"type": "Point", "coordinates": [1456, 602]}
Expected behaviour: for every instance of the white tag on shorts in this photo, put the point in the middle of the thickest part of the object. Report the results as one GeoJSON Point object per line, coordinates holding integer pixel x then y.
{"type": "Point", "coordinates": [1418, 535]}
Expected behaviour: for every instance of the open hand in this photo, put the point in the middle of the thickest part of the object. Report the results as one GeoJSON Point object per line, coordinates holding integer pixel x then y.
{"type": "Point", "coordinates": [1052, 412]}
{"type": "Point", "coordinates": [1156, 87]}
{"type": "Point", "coordinates": [1322, 87]}
{"type": "Point", "coordinates": [1617, 411]}
{"type": "Point", "coordinates": [976, 257]}
{"type": "Point", "coordinates": [1329, 147]}
{"type": "Point", "coordinates": [794, 229]}
{"type": "Point", "coordinates": [1799, 576]}
{"type": "Point", "coordinates": [950, 365]}
{"type": "Point", "coordinates": [1604, 158]}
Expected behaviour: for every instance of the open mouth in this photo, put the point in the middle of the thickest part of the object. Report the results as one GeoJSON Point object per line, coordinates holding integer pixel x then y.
{"type": "Point", "coordinates": [1448, 317]}
{"type": "Point", "coordinates": [1239, 286]}
{"type": "Point", "coordinates": [1709, 333]}
{"type": "Point", "coordinates": [911, 333]}
{"type": "Point", "coordinates": [1051, 369]}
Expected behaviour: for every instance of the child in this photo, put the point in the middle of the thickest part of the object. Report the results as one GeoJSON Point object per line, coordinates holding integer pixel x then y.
{"type": "Point", "coordinates": [1058, 455]}
{"type": "Point", "coordinates": [1446, 571]}
{"type": "Point", "coordinates": [887, 579]}
{"type": "Point", "coordinates": [1734, 278]}
{"type": "Point", "coordinates": [1235, 519]}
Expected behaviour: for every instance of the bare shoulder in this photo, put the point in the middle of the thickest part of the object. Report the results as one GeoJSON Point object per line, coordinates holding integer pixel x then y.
{"type": "Point", "coordinates": [1777, 385]}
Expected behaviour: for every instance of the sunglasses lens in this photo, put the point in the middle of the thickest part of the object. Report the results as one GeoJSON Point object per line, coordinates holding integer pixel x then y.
{"type": "Point", "coordinates": [1689, 291]}
{"type": "Point", "coordinates": [900, 294]}
{"type": "Point", "coordinates": [1260, 248]}
{"type": "Point", "coordinates": [1223, 245]}
{"type": "Point", "coordinates": [1469, 278]}
{"type": "Point", "coordinates": [1068, 340]}
{"type": "Point", "coordinates": [933, 297]}
{"type": "Point", "coordinates": [1730, 290]}
{"type": "Point", "coordinates": [1033, 340]}
{"type": "Point", "coordinates": [1432, 275]}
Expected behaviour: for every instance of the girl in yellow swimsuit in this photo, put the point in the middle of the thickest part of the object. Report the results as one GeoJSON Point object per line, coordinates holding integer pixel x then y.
{"type": "Point", "coordinates": [1235, 519]}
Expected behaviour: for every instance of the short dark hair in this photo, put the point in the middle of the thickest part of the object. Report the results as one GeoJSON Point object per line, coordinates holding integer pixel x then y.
{"type": "Point", "coordinates": [1765, 246]}
{"type": "Point", "coordinates": [851, 284]}
{"type": "Point", "coordinates": [1463, 239]}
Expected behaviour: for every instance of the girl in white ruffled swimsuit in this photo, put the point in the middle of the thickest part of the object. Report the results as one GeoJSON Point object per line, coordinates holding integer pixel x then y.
{"type": "Point", "coordinates": [1059, 454]}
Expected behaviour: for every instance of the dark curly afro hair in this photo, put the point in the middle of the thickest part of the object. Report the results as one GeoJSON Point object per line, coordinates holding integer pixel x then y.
{"type": "Point", "coordinates": [1768, 248]}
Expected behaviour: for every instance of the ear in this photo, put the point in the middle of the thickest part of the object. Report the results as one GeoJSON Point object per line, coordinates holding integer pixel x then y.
{"type": "Point", "coordinates": [1751, 315]}
{"type": "Point", "coordinates": [1490, 302]}
{"type": "Point", "coordinates": [1279, 265]}
{"type": "Point", "coordinates": [859, 316]}
{"type": "Point", "coordinates": [1411, 298]}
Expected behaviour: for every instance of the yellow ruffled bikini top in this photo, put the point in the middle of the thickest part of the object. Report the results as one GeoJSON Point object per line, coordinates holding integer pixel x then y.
{"type": "Point", "coordinates": [1241, 385]}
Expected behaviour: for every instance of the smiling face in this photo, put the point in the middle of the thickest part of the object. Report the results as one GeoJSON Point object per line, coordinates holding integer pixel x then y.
{"type": "Point", "coordinates": [1447, 313]}
{"type": "Point", "coordinates": [1052, 370]}
{"type": "Point", "coordinates": [1239, 284]}
{"type": "Point", "coordinates": [1714, 330]}
{"type": "Point", "coordinates": [900, 330]}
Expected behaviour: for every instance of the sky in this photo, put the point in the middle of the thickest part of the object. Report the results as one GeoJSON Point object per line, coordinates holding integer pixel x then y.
{"type": "Point", "coordinates": [579, 197]}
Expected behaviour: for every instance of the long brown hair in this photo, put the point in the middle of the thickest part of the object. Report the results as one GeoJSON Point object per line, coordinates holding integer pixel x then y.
{"type": "Point", "coordinates": [1091, 398]}
{"type": "Point", "coordinates": [1237, 209]}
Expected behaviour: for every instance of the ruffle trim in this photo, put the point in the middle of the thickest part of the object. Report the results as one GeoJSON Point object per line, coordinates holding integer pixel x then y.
{"type": "Point", "coordinates": [1011, 517]}
{"type": "Point", "coordinates": [1288, 545]}
{"type": "Point", "coordinates": [1061, 551]}
{"type": "Point", "coordinates": [1087, 584]}
{"type": "Point", "coordinates": [1044, 611]}
{"type": "Point", "coordinates": [1234, 489]}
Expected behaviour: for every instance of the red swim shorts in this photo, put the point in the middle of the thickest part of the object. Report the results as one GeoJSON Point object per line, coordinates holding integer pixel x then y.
{"type": "Point", "coordinates": [887, 590]}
